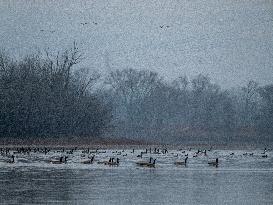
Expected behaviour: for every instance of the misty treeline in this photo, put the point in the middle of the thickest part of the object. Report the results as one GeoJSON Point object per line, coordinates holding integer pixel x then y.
{"type": "Point", "coordinates": [146, 105]}
{"type": "Point", "coordinates": [47, 95]}
{"type": "Point", "coordinates": [43, 95]}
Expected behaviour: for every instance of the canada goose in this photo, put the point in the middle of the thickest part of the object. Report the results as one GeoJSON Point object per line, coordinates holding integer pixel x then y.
{"type": "Point", "coordinates": [12, 160]}
{"type": "Point", "coordinates": [106, 162]}
{"type": "Point", "coordinates": [264, 156]}
{"type": "Point", "coordinates": [140, 155]}
{"type": "Point", "coordinates": [181, 162]}
{"type": "Point", "coordinates": [103, 162]}
{"type": "Point", "coordinates": [89, 161]}
{"type": "Point", "coordinates": [94, 151]}
{"type": "Point", "coordinates": [214, 163]}
{"type": "Point", "coordinates": [70, 152]}
{"type": "Point", "coordinates": [60, 161]}
{"type": "Point", "coordinates": [111, 162]}
{"type": "Point", "coordinates": [86, 151]}
{"type": "Point", "coordinates": [142, 163]}
{"type": "Point", "coordinates": [147, 164]}
{"type": "Point", "coordinates": [151, 164]}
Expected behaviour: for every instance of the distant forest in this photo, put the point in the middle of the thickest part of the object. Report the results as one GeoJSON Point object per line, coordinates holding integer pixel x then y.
{"type": "Point", "coordinates": [46, 95]}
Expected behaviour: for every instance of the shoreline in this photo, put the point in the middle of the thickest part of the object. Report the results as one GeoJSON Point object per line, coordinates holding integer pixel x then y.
{"type": "Point", "coordinates": [124, 143]}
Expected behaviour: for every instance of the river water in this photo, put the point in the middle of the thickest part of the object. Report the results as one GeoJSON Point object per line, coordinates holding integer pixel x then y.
{"type": "Point", "coordinates": [239, 179]}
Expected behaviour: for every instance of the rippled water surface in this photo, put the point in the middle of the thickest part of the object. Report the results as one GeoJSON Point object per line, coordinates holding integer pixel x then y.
{"type": "Point", "coordinates": [239, 179]}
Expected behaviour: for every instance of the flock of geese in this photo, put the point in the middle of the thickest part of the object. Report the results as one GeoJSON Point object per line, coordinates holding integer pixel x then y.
{"type": "Point", "coordinates": [87, 156]}
{"type": "Point", "coordinates": [95, 23]}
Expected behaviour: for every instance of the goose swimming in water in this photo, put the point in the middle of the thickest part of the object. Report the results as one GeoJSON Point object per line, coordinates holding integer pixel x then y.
{"type": "Point", "coordinates": [60, 161]}
{"type": "Point", "coordinates": [140, 155]}
{"type": "Point", "coordinates": [89, 161]}
{"type": "Point", "coordinates": [181, 162]}
{"type": "Point", "coordinates": [114, 163]}
{"type": "Point", "coordinates": [12, 160]}
{"type": "Point", "coordinates": [147, 164]}
{"type": "Point", "coordinates": [214, 163]}
{"type": "Point", "coordinates": [111, 162]}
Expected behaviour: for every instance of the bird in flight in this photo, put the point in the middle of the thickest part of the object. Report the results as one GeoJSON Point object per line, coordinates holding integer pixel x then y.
{"type": "Point", "coordinates": [165, 26]}
{"type": "Point", "coordinates": [51, 31]}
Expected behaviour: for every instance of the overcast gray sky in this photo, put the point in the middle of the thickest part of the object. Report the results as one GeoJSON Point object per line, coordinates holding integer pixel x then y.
{"type": "Point", "coordinates": [231, 40]}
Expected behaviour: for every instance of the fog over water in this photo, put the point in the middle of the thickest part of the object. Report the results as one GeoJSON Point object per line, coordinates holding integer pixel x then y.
{"type": "Point", "coordinates": [229, 40]}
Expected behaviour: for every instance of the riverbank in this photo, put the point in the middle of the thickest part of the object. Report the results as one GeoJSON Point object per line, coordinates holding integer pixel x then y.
{"type": "Point", "coordinates": [125, 143]}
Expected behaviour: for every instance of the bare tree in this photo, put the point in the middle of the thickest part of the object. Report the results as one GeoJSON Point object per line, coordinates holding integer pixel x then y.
{"type": "Point", "coordinates": [249, 92]}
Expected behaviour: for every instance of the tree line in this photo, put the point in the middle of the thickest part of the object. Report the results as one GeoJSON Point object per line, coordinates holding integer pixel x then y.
{"type": "Point", "coordinates": [146, 106]}
{"type": "Point", "coordinates": [45, 95]}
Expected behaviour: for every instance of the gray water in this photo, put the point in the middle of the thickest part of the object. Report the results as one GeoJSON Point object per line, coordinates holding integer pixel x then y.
{"type": "Point", "coordinates": [239, 179]}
